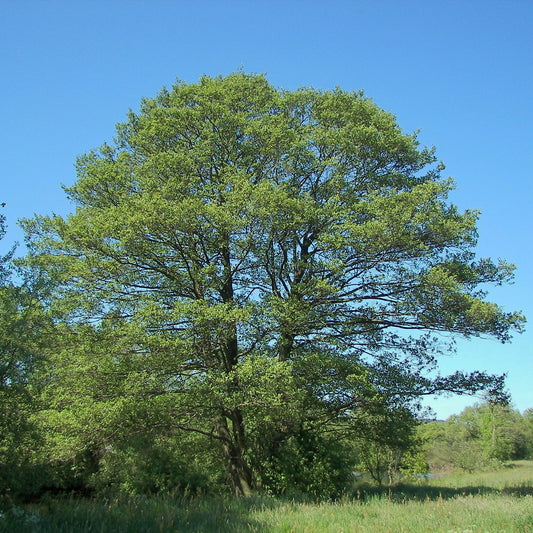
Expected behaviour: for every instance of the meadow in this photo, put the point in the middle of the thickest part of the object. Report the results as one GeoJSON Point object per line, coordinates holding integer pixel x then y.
{"type": "Point", "coordinates": [496, 501]}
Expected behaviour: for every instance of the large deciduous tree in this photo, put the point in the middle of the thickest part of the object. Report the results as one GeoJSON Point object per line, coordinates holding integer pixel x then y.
{"type": "Point", "coordinates": [259, 262]}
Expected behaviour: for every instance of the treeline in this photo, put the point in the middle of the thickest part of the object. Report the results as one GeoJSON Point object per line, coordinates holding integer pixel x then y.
{"type": "Point", "coordinates": [481, 436]}
{"type": "Point", "coordinates": [252, 294]}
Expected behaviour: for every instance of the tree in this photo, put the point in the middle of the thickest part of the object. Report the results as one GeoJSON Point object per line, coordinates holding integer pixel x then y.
{"type": "Point", "coordinates": [267, 258]}
{"type": "Point", "coordinates": [527, 417]}
{"type": "Point", "coordinates": [502, 431]}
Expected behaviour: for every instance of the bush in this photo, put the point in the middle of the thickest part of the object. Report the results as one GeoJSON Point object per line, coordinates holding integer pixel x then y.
{"type": "Point", "coordinates": [303, 463]}
{"type": "Point", "coordinates": [146, 466]}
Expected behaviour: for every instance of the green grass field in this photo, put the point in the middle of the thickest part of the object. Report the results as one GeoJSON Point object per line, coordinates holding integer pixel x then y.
{"type": "Point", "coordinates": [500, 501]}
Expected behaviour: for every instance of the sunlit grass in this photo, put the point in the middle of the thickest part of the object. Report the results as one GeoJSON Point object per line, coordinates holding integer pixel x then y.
{"type": "Point", "coordinates": [473, 513]}
{"type": "Point", "coordinates": [513, 474]}
{"type": "Point", "coordinates": [499, 501]}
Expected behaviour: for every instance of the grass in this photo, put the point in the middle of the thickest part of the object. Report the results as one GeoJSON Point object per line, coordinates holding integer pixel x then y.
{"type": "Point", "coordinates": [499, 501]}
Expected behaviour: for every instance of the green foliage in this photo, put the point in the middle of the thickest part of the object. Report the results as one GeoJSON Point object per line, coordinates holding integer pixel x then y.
{"type": "Point", "coordinates": [246, 261]}
{"type": "Point", "coordinates": [528, 431]}
{"type": "Point", "coordinates": [481, 436]}
{"type": "Point", "coordinates": [303, 463]}
{"type": "Point", "coordinates": [389, 449]}
{"type": "Point", "coordinates": [144, 465]}
{"type": "Point", "coordinates": [22, 322]}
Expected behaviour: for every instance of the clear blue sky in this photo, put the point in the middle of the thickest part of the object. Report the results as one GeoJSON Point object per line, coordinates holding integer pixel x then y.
{"type": "Point", "coordinates": [461, 71]}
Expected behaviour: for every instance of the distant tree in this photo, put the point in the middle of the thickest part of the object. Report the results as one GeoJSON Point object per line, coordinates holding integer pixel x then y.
{"type": "Point", "coordinates": [502, 431]}
{"type": "Point", "coordinates": [528, 430]}
{"type": "Point", "coordinates": [244, 258]}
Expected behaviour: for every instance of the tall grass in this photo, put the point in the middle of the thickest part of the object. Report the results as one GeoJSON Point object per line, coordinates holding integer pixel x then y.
{"type": "Point", "coordinates": [499, 501]}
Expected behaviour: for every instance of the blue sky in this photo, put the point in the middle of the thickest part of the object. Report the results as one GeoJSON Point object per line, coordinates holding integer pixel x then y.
{"type": "Point", "coordinates": [461, 71]}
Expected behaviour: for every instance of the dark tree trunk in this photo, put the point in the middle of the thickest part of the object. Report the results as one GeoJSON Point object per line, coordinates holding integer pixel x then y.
{"type": "Point", "coordinates": [238, 469]}
{"type": "Point", "coordinates": [230, 425]}
{"type": "Point", "coordinates": [285, 345]}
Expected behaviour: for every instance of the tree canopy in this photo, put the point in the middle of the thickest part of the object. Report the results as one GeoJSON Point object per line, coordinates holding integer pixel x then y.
{"type": "Point", "coordinates": [255, 265]}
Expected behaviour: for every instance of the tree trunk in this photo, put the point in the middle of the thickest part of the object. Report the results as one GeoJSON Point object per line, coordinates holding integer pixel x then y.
{"type": "Point", "coordinates": [238, 469]}
{"type": "Point", "coordinates": [285, 345]}
{"type": "Point", "coordinates": [230, 425]}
